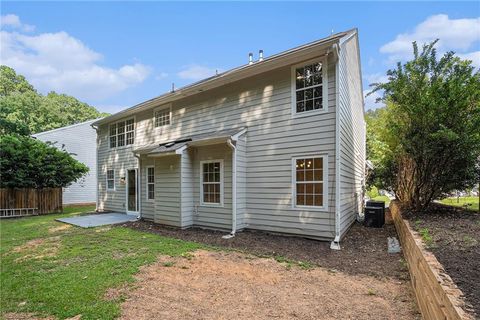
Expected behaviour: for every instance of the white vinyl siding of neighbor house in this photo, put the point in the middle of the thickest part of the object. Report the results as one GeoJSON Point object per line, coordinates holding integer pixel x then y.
{"type": "Point", "coordinates": [80, 140]}
{"type": "Point", "coordinates": [263, 105]}
{"type": "Point", "coordinates": [352, 134]}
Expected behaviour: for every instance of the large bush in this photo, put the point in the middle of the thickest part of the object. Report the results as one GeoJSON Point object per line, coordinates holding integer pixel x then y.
{"type": "Point", "coordinates": [430, 128]}
{"type": "Point", "coordinates": [29, 163]}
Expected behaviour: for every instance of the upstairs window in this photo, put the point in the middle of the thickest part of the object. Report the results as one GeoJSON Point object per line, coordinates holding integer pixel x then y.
{"type": "Point", "coordinates": [211, 186]}
{"type": "Point", "coordinates": [150, 183]}
{"type": "Point", "coordinates": [310, 181]}
{"type": "Point", "coordinates": [163, 117]}
{"type": "Point", "coordinates": [308, 88]}
{"type": "Point", "coordinates": [122, 133]}
{"type": "Point", "coordinates": [110, 180]}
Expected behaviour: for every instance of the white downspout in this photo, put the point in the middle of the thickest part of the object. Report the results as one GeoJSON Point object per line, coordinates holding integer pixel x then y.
{"type": "Point", "coordinates": [335, 244]}
{"type": "Point", "coordinates": [139, 186]}
{"type": "Point", "coordinates": [234, 190]}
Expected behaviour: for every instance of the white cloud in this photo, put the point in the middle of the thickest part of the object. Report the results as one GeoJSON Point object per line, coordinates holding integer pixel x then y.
{"type": "Point", "coordinates": [60, 62]}
{"type": "Point", "coordinates": [161, 75]}
{"type": "Point", "coordinates": [13, 21]}
{"type": "Point", "coordinates": [454, 34]}
{"type": "Point", "coordinates": [376, 78]}
{"type": "Point", "coordinates": [196, 72]}
{"type": "Point", "coordinates": [370, 101]}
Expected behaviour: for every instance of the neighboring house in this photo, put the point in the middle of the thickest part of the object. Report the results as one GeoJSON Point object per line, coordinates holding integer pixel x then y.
{"type": "Point", "coordinates": [277, 145]}
{"type": "Point", "coordinates": [80, 140]}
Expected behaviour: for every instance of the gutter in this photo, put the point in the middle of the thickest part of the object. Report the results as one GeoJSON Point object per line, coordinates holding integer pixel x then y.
{"type": "Point", "coordinates": [96, 163]}
{"type": "Point", "coordinates": [139, 186]}
{"type": "Point", "coordinates": [335, 244]}
{"type": "Point", "coordinates": [234, 190]}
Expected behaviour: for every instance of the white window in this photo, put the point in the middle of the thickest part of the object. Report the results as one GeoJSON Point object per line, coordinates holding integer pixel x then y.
{"type": "Point", "coordinates": [163, 116]}
{"type": "Point", "coordinates": [310, 182]}
{"type": "Point", "coordinates": [110, 180]}
{"type": "Point", "coordinates": [150, 183]}
{"type": "Point", "coordinates": [211, 182]}
{"type": "Point", "coordinates": [122, 133]}
{"type": "Point", "coordinates": [309, 94]}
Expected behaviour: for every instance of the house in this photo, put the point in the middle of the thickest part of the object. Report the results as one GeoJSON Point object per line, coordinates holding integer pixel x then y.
{"type": "Point", "coordinates": [80, 140]}
{"type": "Point", "coordinates": [277, 144]}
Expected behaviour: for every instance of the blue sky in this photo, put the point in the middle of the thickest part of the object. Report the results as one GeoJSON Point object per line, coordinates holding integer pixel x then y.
{"type": "Point", "coordinates": [116, 54]}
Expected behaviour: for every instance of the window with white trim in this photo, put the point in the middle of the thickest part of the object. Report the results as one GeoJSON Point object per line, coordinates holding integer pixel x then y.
{"type": "Point", "coordinates": [122, 133]}
{"type": "Point", "coordinates": [308, 87]}
{"type": "Point", "coordinates": [310, 181]}
{"type": "Point", "coordinates": [211, 183]}
{"type": "Point", "coordinates": [150, 183]}
{"type": "Point", "coordinates": [163, 117]}
{"type": "Point", "coordinates": [110, 180]}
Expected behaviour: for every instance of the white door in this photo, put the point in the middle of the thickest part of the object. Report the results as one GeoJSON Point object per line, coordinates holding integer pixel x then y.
{"type": "Point", "coordinates": [132, 191]}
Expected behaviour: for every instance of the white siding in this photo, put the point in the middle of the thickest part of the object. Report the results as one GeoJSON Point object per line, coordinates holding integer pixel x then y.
{"type": "Point", "coordinates": [167, 191]}
{"type": "Point", "coordinates": [147, 206]}
{"type": "Point", "coordinates": [80, 140]}
{"type": "Point", "coordinates": [187, 186]}
{"type": "Point", "coordinates": [352, 134]}
{"type": "Point", "coordinates": [241, 146]}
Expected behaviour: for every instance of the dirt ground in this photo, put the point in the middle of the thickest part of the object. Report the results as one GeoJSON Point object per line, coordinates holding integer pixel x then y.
{"type": "Point", "coordinates": [232, 285]}
{"type": "Point", "coordinates": [364, 250]}
{"type": "Point", "coordinates": [455, 241]}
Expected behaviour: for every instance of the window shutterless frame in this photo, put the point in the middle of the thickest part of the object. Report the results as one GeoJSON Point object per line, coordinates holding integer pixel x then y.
{"type": "Point", "coordinates": [324, 207]}
{"type": "Point", "coordinates": [161, 122]}
{"type": "Point", "coordinates": [112, 178]}
{"type": "Point", "coordinates": [202, 182]}
{"type": "Point", "coordinates": [122, 130]}
{"type": "Point", "coordinates": [324, 85]}
{"type": "Point", "coordinates": [149, 183]}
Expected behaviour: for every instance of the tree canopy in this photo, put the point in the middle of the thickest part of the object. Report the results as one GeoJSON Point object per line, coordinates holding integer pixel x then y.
{"type": "Point", "coordinates": [24, 111]}
{"type": "Point", "coordinates": [426, 141]}
{"type": "Point", "coordinates": [26, 162]}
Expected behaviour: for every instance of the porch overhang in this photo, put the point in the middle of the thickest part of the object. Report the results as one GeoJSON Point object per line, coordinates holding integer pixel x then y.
{"type": "Point", "coordinates": [177, 146]}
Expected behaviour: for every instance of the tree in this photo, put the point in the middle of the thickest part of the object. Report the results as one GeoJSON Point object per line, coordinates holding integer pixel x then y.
{"type": "Point", "coordinates": [431, 127]}
{"type": "Point", "coordinates": [24, 111]}
{"type": "Point", "coordinates": [26, 162]}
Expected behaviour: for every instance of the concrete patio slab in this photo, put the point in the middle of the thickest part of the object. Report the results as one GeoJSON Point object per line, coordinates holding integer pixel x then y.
{"type": "Point", "coordinates": [95, 220]}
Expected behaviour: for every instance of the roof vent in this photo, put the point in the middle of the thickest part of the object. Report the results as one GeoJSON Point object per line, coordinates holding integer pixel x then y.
{"type": "Point", "coordinates": [250, 58]}
{"type": "Point", "coordinates": [260, 55]}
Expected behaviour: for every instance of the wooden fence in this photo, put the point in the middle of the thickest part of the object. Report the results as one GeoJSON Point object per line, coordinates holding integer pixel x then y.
{"type": "Point", "coordinates": [22, 202]}
{"type": "Point", "coordinates": [436, 294]}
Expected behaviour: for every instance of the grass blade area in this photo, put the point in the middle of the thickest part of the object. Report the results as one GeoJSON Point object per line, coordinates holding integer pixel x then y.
{"type": "Point", "coordinates": [50, 268]}
{"type": "Point", "coordinates": [469, 203]}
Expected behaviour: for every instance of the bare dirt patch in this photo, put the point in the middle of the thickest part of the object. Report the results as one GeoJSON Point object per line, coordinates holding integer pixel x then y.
{"type": "Point", "coordinates": [221, 285]}
{"type": "Point", "coordinates": [453, 236]}
{"type": "Point", "coordinates": [23, 316]}
{"type": "Point", "coordinates": [59, 228]}
{"type": "Point", "coordinates": [38, 249]}
{"type": "Point", "coordinates": [364, 250]}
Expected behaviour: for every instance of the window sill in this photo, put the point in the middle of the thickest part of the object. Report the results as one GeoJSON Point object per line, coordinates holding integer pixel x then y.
{"type": "Point", "coordinates": [121, 148]}
{"type": "Point", "coordinates": [212, 205]}
{"type": "Point", "coordinates": [309, 113]}
{"type": "Point", "coordinates": [310, 208]}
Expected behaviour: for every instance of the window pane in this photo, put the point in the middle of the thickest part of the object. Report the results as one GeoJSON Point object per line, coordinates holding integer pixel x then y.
{"type": "Point", "coordinates": [300, 199]}
{"type": "Point", "coordinates": [318, 175]}
{"type": "Point", "coordinates": [317, 92]}
{"type": "Point", "coordinates": [318, 188]}
{"type": "Point", "coordinates": [317, 79]}
{"type": "Point", "coordinates": [121, 140]}
{"type": "Point", "coordinates": [129, 138]}
{"type": "Point", "coordinates": [309, 200]}
{"type": "Point", "coordinates": [205, 167]}
{"type": "Point", "coordinates": [300, 175]}
{"type": "Point", "coordinates": [217, 177]}
{"type": "Point", "coordinates": [308, 175]}
{"type": "Point", "coordinates": [300, 106]}
{"type": "Point", "coordinates": [299, 78]}
{"type": "Point", "coordinates": [308, 105]}
{"type": "Point", "coordinates": [300, 188]}
{"type": "Point", "coordinates": [318, 163]}
{"type": "Point", "coordinates": [121, 127]}
{"type": "Point", "coordinates": [300, 163]}
{"type": "Point", "coordinates": [317, 104]}
{"type": "Point", "coordinates": [318, 200]}
{"type": "Point", "coordinates": [309, 164]}
{"type": "Point", "coordinates": [309, 94]}
{"type": "Point", "coordinates": [309, 188]}
{"type": "Point", "coordinates": [113, 142]}
{"type": "Point", "coordinates": [317, 67]}
{"type": "Point", "coordinates": [205, 197]}
{"type": "Point", "coordinates": [300, 95]}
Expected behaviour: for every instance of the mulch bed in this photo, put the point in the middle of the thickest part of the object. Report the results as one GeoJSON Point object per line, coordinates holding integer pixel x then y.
{"type": "Point", "coordinates": [455, 234]}
{"type": "Point", "coordinates": [364, 250]}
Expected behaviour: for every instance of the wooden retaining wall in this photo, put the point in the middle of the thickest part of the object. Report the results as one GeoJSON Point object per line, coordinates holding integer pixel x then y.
{"type": "Point", "coordinates": [39, 201]}
{"type": "Point", "coordinates": [437, 295]}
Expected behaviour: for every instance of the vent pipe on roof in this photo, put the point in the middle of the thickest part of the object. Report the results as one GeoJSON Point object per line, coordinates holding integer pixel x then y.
{"type": "Point", "coordinates": [250, 58]}
{"type": "Point", "coordinates": [260, 55]}
{"type": "Point", "coordinates": [173, 87]}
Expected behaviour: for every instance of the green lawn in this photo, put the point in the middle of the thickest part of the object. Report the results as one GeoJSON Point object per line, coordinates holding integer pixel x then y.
{"type": "Point", "coordinates": [462, 201]}
{"type": "Point", "coordinates": [63, 272]}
